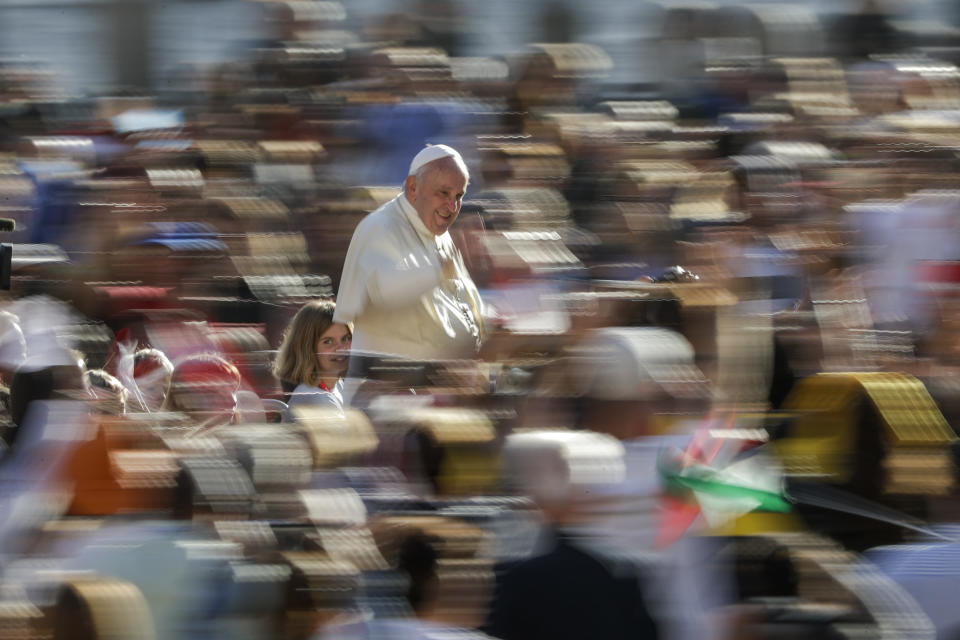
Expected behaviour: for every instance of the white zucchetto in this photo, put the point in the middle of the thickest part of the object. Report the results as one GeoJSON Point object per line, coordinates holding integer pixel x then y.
{"type": "Point", "coordinates": [433, 152]}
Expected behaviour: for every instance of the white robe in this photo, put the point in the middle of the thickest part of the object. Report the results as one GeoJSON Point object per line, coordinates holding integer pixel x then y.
{"type": "Point", "coordinates": [393, 291]}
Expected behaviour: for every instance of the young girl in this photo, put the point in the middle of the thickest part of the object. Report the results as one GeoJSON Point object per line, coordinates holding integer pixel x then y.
{"type": "Point", "coordinates": [313, 357]}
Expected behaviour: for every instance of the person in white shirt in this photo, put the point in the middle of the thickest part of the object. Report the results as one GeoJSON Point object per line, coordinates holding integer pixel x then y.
{"type": "Point", "coordinates": [313, 357]}
{"type": "Point", "coordinates": [404, 285]}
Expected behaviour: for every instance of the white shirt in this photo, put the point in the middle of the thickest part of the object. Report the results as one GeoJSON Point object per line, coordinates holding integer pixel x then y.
{"type": "Point", "coordinates": [306, 395]}
{"type": "Point", "coordinates": [393, 291]}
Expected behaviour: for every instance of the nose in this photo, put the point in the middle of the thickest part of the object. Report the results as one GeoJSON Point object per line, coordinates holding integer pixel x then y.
{"type": "Point", "coordinates": [453, 205]}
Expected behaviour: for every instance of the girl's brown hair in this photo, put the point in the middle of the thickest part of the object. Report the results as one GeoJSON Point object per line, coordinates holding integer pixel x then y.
{"type": "Point", "coordinates": [296, 361]}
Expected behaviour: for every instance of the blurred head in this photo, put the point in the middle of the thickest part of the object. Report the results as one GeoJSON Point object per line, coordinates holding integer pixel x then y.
{"type": "Point", "coordinates": [152, 371]}
{"type": "Point", "coordinates": [638, 381]}
{"type": "Point", "coordinates": [13, 346]}
{"type": "Point", "coordinates": [436, 187]}
{"type": "Point", "coordinates": [314, 346]}
{"type": "Point", "coordinates": [108, 393]}
{"type": "Point", "coordinates": [204, 386]}
{"type": "Point", "coordinates": [564, 472]}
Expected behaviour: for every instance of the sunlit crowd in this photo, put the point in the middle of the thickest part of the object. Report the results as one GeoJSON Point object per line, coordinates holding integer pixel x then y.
{"type": "Point", "coordinates": [358, 337]}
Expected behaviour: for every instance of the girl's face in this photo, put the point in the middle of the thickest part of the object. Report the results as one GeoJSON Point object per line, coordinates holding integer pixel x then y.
{"type": "Point", "coordinates": [333, 348]}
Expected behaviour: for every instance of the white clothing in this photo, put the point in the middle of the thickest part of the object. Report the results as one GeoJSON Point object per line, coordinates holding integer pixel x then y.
{"type": "Point", "coordinates": [306, 395]}
{"type": "Point", "coordinates": [900, 237]}
{"type": "Point", "coordinates": [393, 291]}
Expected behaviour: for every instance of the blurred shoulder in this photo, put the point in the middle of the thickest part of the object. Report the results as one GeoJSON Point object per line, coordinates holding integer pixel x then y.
{"type": "Point", "coordinates": [382, 217]}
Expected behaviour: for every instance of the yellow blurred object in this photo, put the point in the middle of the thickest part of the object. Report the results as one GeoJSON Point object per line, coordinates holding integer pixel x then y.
{"type": "Point", "coordinates": [226, 152]}
{"type": "Point", "coordinates": [250, 208]}
{"type": "Point", "coordinates": [575, 58]}
{"type": "Point", "coordinates": [335, 436]}
{"type": "Point", "coordinates": [22, 620]}
{"type": "Point", "coordinates": [824, 438]}
{"type": "Point", "coordinates": [469, 462]}
{"type": "Point", "coordinates": [468, 471]}
{"type": "Point", "coordinates": [111, 609]}
{"type": "Point", "coordinates": [759, 523]}
{"type": "Point", "coordinates": [454, 539]}
{"type": "Point", "coordinates": [289, 150]}
{"type": "Point", "coordinates": [450, 426]}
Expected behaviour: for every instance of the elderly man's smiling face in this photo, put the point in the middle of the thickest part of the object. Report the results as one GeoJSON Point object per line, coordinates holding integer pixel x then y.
{"type": "Point", "coordinates": [438, 194]}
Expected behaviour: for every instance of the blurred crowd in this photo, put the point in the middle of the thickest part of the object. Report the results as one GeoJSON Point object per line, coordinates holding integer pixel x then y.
{"type": "Point", "coordinates": [716, 395]}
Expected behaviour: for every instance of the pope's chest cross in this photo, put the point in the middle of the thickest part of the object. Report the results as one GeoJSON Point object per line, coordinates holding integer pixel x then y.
{"type": "Point", "coordinates": [454, 286]}
{"type": "Point", "coordinates": [459, 291]}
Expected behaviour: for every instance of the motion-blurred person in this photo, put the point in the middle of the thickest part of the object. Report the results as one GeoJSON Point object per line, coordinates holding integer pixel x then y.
{"type": "Point", "coordinates": [145, 373]}
{"type": "Point", "coordinates": [57, 381]}
{"type": "Point", "coordinates": [641, 385]}
{"type": "Point", "coordinates": [13, 351]}
{"type": "Point", "coordinates": [152, 371]}
{"type": "Point", "coordinates": [51, 370]}
{"type": "Point", "coordinates": [569, 590]}
{"type": "Point", "coordinates": [404, 286]}
{"type": "Point", "coordinates": [600, 494]}
{"type": "Point", "coordinates": [417, 560]}
{"type": "Point", "coordinates": [108, 394]}
{"type": "Point", "coordinates": [204, 386]}
{"type": "Point", "coordinates": [13, 346]}
{"type": "Point", "coordinates": [313, 357]}
{"type": "Point", "coordinates": [637, 382]}
{"type": "Point", "coordinates": [50, 414]}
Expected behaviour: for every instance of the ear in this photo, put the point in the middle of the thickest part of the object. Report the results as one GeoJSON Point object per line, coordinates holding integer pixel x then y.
{"type": "Point", "coordinates": [410, 186]}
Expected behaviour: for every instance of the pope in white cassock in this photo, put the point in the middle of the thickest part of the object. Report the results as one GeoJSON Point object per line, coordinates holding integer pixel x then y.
{"type": "Point", "coordinates": [404, 285]}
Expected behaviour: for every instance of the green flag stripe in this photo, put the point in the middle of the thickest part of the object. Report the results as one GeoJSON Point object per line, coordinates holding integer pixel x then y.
{"type": "Point", "coordinates": [768, 501]}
